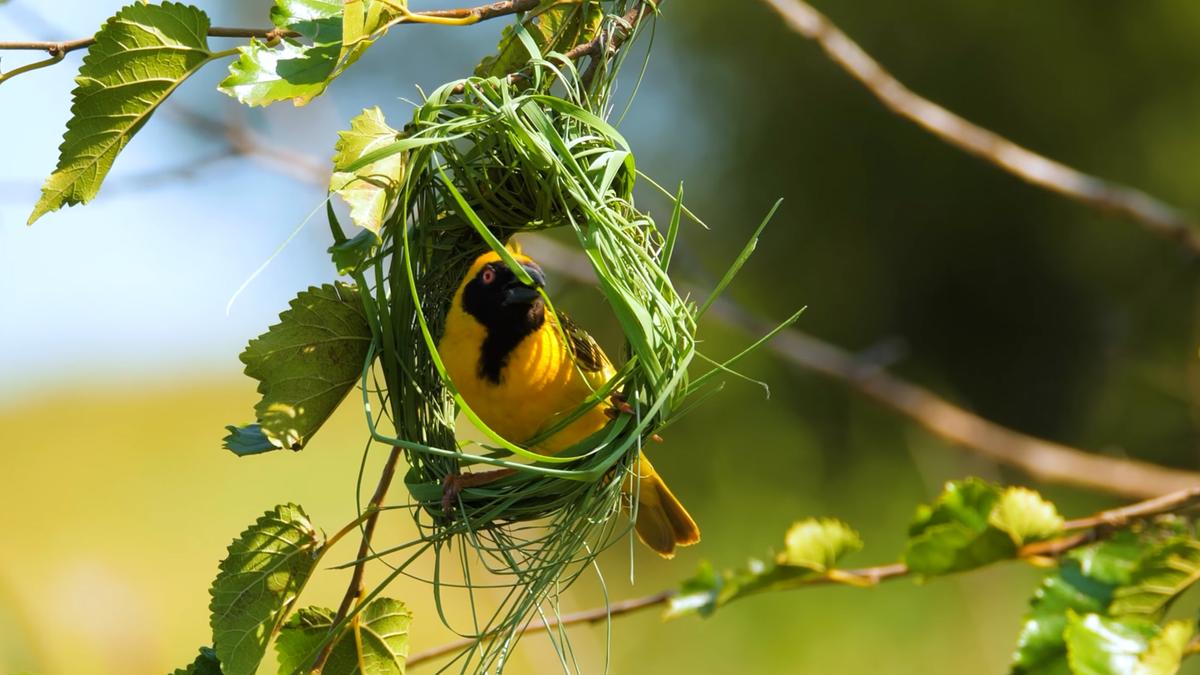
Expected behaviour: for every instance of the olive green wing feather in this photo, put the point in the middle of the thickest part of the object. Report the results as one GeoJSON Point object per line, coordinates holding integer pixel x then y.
{"type": "Point", "coordinates": [587, 354]}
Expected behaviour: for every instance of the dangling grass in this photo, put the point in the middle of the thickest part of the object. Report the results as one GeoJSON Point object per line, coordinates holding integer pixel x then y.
{"type": "Point", "coordinates": [487, 159]}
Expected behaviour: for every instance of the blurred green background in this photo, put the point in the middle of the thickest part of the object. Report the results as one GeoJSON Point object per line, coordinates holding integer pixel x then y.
{"type": "Point", "coordinates": [118, 358]}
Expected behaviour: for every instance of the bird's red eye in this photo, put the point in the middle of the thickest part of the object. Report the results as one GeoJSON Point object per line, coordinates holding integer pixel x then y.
{"type": "Point", "coordinates": [489, 275]}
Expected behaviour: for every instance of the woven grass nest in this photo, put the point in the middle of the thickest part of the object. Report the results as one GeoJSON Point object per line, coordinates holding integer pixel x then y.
{"type": "Point", "coordinates": [485, 159]}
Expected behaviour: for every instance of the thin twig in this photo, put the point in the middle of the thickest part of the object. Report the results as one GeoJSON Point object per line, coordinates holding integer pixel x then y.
{"type": "Point", "coordinates": [588, 616]}
{"type": "Point", "coordinates": [1094, 528]}
{"type": "Point", "coordinates": [1106, 196]}
{"type": "Point", "coordinates": [355, 589]}
{"type": "Point", "coordinates": [480, 13]}
{"type": "Point", "coordinates": [1041, 459]}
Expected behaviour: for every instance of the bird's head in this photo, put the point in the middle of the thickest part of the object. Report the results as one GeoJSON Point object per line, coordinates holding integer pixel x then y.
{"type": "Point", "coordinates": [498, 299]}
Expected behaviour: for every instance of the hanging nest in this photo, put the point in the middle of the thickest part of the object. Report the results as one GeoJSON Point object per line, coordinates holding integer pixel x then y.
{"type": "Point", "coordinates": [484, 159]}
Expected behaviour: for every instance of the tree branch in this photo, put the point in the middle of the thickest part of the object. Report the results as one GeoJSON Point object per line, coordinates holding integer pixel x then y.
{"type": "Point", "coordinates": [587, 616]}
{"type": "Point", "coordinates": [1093, 529]}
{"type": "Point", "coordinates": [1044, 460]}
{"type": "Point", "coordinates": [480, 13]}
{"type": "Point", "coordinates": [355, 589]}
{"type": "Point", "coordinates": [1105, 196]}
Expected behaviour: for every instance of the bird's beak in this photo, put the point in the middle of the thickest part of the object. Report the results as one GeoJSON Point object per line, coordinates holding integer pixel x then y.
{"type": "Point", "coordinates": [517, 293]}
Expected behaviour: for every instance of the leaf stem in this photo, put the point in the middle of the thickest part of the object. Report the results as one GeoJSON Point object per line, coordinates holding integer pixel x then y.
{"type": "Point", "coordinates": [31, 66]}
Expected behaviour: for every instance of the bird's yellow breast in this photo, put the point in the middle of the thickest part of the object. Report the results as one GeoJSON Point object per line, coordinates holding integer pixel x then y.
{"type": "Point", "coordinates": [538, 384]}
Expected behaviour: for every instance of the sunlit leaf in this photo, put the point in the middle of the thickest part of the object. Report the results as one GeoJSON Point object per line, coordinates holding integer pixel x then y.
{"type": "Point", "coordinates": [258, 580]}
{"type": "Point", "coordinates": [818, 544]}
{"type": "Point", "coordinates": [954, 533]}
{"type": "Point", "coordinates": [367, 190]}
{"type": "Point", "coordinates": [301, 69]}
{"type": "Point", "coordinates": [1112, 560]}
{"type": "Point", "coordinates": [308, 362]}
{"type": "Point", "coordinates": [1098, 645]}
{"type": "Point", "coordinates": [1041, 649]}
{"type": "Point", "coordinates": [1025, 516]}
{"type": "Point", "coordinates": [554, 25]}
{"type": "Point", "coordinates": [140, 56]}
{"type": "Point", "coordinates": [1166, 571]}
{"type": "Point", "coordinates": [205, 664]}
{"type": "Point", "coordinates": [1165, 652]}
{"type": "Point", "coordinates": [377, 640]}
{"type": "Point", "coordinates": [813, 547]}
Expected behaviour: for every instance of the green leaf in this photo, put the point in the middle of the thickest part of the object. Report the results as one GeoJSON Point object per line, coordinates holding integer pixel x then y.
{"type": "Point", "coordinates": [818, 544]}
{"type": "Point", "coordinates": [301, 70]}
{"type": "Point", "coordinates": [349, 256]}
{"type": "Point", "coordinates": [308, 362]}
{"type": "Point", "coordinates": [554, 26]}
{"type": "Point", "coordinates": [140, 56]}
{"type": "Point", "coordinates": [697, 594]}
{"type": "Point", "coordinates": [1041, 649]}
{"type": "Point", "coordinates": [1111, 561]}
{"type": "Point", "coordinates": [813, 547]}
{"type": "Point", "coordinates": [1098, 645]}
{"type": "Point", "coordinates": [205, 664]}
{"type": "Point", "coordinates": [247, 440]}
{"type": "Point", "coordinates": [1165, 572]}
{"type": "Point", "coordinates": [367, 190]}
{"type": "Point", "coordinates": [258, 580]}
{"type": "Point", "coordinates": [1025, 516]}
{"type": "Point", "coordinates": [954, 534]}
{"type": "Point", "coordinates": [1165, 652]}
{"type": "Point", "coordinates": [377, 639]}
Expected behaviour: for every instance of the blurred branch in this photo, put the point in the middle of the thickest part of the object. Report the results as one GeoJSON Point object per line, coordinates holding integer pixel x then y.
{"type": "Point", "coordinates": [1154, 215]}
{"type": "Point", "coordinates": [468, 15]}
{"type": "Point", "coordinates": [1044, 460]}
{"type": "Point", "coordinates": [1092, 529]}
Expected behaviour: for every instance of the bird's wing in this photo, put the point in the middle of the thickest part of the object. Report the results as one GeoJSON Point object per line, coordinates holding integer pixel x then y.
{"type": "Point", "coordinates": [587, 354]}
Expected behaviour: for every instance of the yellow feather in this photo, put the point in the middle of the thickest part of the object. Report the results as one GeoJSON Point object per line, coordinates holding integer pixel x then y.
{"type": "Point", "coordinates": [540, 383]}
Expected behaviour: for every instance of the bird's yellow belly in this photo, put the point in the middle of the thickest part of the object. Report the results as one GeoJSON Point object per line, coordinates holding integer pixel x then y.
{"type": "Point", "coordinates": [539, 385]}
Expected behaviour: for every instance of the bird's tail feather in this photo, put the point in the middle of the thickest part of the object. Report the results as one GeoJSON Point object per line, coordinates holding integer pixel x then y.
{"type": "Point", "coordinates": [662, 522]}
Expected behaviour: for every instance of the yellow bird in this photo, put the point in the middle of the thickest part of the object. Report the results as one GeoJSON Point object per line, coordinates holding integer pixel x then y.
{"type": "Point", "coordinates": [508, 358]}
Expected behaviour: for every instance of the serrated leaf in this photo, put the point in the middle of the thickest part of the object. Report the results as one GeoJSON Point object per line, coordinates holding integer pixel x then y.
{"type": "Point", "coordinates": [263, 75]}
{"type": "Point", "coordinates": [301, 70]}
{"type": "Point", "coordinates": [247, 440]}
{"type": "Point", "coordinates": [138, 59]}
{"type": "Point", "coordinates": [813, 548]}
{"type": "Point", "coordinates": [1041, 649]}
{"type": "Point", "coordinates": [1025, 516]}
{"type": "Point", "coordinates": [377, 641]}
{"type": "Point", "coordinates": [818, 544]}
{"type": "Point", "coordinates": [1162, 574]}
{"type": "Point", "coordinates": [1165, 652]}
{"type": "Point", "coordinates": [258, 580]}
{"type": "Point", "coordinates": [954, 534]}
{"type": "Point", "coordinates": [205, 664]}
{"type": "Point", "coordinates": [554, 26]}
{"type": "Point", "coordinates": [367, 190]}
{"type": "Point", "coordinates": [1098, 645]}
{"type": "Point", "coordinates": [308, 362]}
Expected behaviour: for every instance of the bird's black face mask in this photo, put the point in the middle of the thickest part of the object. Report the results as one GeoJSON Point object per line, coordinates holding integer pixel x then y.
{"type": "Point", "coordinates": [508, 308]}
